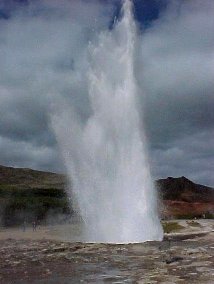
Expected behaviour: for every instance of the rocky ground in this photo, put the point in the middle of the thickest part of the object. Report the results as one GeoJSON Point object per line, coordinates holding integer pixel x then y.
{"type": "Point", "coordinates": [186, 256]}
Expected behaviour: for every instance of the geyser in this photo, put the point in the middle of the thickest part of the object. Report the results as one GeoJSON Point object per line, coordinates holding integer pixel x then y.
{"type": "Point", "coordinates": [105, 156]}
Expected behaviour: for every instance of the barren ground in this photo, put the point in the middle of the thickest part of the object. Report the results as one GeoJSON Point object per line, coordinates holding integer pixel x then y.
{"type": "Point", "coordinates": [52, 255]}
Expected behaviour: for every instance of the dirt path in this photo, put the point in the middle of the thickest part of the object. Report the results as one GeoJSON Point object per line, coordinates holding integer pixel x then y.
{"type": "Point", "coordinates": [67, 232]}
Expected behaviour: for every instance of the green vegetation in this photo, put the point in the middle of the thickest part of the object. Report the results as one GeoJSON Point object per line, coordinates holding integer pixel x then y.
{"type": "Point", "coordinates": [189, 216]}
{"type": "Point", "coordinates": [19, 205]}
{"type": "Point", "coordinates": [208, 215]}
{"type": "Point", "coordinates": [12, 191]}
{"type": "Point", "coordinates": [29, 195]}
{"type": "Point", "coordinates": [170, 227]}
{"type": "Point", "coordinates": [193, 223]}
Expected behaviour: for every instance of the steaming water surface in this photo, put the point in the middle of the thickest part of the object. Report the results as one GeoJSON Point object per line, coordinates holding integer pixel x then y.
{"type": "Point", "coordinates": [105, 156]}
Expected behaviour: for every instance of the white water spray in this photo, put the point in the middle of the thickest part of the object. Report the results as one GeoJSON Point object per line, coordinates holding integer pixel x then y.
{"type": "Point", "coordinates": [105, 157]}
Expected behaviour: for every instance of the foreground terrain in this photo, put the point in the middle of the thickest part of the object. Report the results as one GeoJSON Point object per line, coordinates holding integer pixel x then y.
{"type": "Point", "coordinates": [47, 256]}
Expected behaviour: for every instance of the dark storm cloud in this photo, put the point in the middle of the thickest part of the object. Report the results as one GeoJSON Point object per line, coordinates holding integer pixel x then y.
{"type": "Point", "coordinates": [191, 154]}
{"type": "Point", "coordinates": [178, 69]}
{"type": "Point", "coordinates": [43, 58]}
{"type": "Point", "coordinates": [25, 154]}
{"type": "Point", "coordinates": [23, 117]}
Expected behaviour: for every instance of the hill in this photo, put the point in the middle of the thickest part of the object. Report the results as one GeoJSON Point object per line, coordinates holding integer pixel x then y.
{"type": "Point", "coordinates": [28, 178]}
{"type": "Point", "coordinates": [183, 198]}
{"type": "Point", "coordinates": [30, 195]}
{"type": "Point", "coordinates": [27, 194]}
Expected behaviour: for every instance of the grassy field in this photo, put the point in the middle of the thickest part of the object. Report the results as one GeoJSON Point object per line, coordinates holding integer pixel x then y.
{"type": "Point", "coordinates": [171, 227]}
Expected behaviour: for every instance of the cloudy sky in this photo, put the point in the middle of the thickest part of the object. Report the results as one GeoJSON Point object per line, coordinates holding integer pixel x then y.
{"type": "Point", "coordinates": [43, 59]}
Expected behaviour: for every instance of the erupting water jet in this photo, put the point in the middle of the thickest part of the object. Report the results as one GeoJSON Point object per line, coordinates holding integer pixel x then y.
{"type": "Point", "coordinates": [106, 156]}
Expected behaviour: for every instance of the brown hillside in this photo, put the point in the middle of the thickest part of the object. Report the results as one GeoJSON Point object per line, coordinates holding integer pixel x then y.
{"type": "Point", "coordinates": [183, 189]}
{"type": "Point", "coordinates": [184, 198]}
{"type": "Point", "coordinates": [27, 178]}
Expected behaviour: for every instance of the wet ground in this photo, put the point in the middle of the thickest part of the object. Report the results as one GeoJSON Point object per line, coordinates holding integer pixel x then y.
{"type": "Point", "coordinates": [184, 257]}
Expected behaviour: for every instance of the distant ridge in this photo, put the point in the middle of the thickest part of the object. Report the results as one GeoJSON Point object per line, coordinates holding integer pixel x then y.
{"type": "Point", "coordinates": [25, 189]}
{"type": "Point", "coordinates": [183, 198]}
{"type": "Point", "coordinates": [30, 195]}
{"type": "Point", "coordinates": [170, 188]}
{"type": "Point", "coordinates": [28, 178]}
{"type": "Point", "coordinates": [183, 189]}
